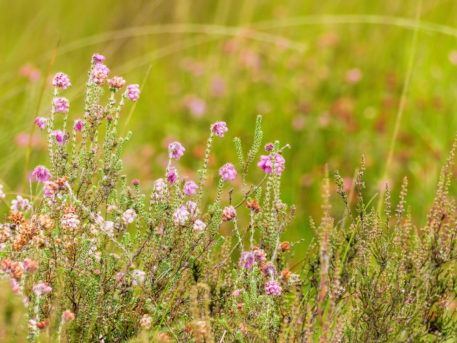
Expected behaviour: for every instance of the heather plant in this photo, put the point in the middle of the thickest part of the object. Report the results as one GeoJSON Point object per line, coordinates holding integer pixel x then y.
{"type": "Point", "coordinates": [91, 257]}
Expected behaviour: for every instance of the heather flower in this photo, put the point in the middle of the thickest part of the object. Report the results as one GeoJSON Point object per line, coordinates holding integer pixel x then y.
{"type": "Point", "coordinates": [227, 172]}
{"type": "Point", "coordinates": [199, 225]}
{"type": "Point", "coordinates": [180, 215]}
{"type": "Point", "coordinates": [61, 105]}
{"type": "Point", "coordinates": [60, 136]}
{"type": "Point", "coordinates": [67, 316]}
{"type": "Point", "coordinates": [172, 176]}
{"type": "Point", "coordinates": [70, 220]}
{"type": "Point", "coordinates": [116, 82]}
{"type": "Point", "coordinates": [228, 213]}
{"type": "Point", "coordinates": [50, 188]}
{"type": "Point", "coordinates": [190, 187]}
{"type": "Point", "coordinates": [97, 58]}
{"type": "Point", "coordinates": [260, 255]}
{"type": "Point", "coordinates": [193, 209]}
{"type": "Point", "coordinates": [266, 163]}
{"type": "Point", "coordinates": [247, 260]}
{"type": "Point", "coordinates": [108, 227]}
{"type": "Point", "coordinates": [61, 80]}
{"type": "Point", "coordinates": [20, 204]}
{"type": "Point", "coordinates": [236, 293]}
{"type": "Point", "coordinates": [42, 288]}
{"type": "Point", "coordinates": [160, 190]}
{"type": "Point", "coordinates": [129, 216]}
{"type": "Point", "coordinates": [100, 74]}
{"type": "Point", "coordinates": [219, 128]}
{"type": "Point", "coordinates": [269, 269]}
{"type": "Point", "coordinates": [269, 147]}
{"type": "Point", "coordinates": [15, 286]}
{"type": "Point", "coordinates": [175, 150]}
{"type": "Point", "coordinates": [29, 265]}
{"type": "Point", "coordinates": [133, 92]}
{"type": "Point", "coordinates": [41, 122]}
{"type": "Point", "coordinates": [2, 194]}
{"type": "Point", "coordinates": [41, 174]}
{"type": "Point", "coordinates": [138, 277]}
{"type": "Point", "coordinates": [78, 125]}
{"type": "Point", "coordinates": [120, 276]}
{"type": "Point", "coordinates": [273, 288]}
{"type": "Point", "coordinates": [146, 321]}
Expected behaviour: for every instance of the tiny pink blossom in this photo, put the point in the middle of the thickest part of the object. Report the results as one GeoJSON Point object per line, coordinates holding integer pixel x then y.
{"type": "Point", "coordinates": [41, 122]}
{"type": "Point", "coordinates": [41, 174]}
{"type": "Point", "coordinates": [15, 286]}
{"type": "Point", "coordinates": [227, 172]}
{"type": "Point", "coordinates": [190, 187]}
{"type": "Point", "coordinates": [100, 74]}
{"type": "Point", "coordinates": [97, 58]}
{"type": "Point", "coordinates": [180, 216]}
{"type": "Point", "coordinates": [42, 288]}
{"type": "Point", "coordinates": [273, 288]}
{"type": "Point", "coordinates": [61, 105]}
{"type": "Point", "coordinates": [60, 136]}
{"type": "Point", "coordinates": [61, 80]}
{"type": "Point", "coordinates": [247, 259]}
{"type": "Point", "coordinates": [133, 92]}
{"type": "Point", "coordinates": [267, 163]}
{"type": "Point", "coordinates": [78, 125]}
{"type": "Point", "coordinates": [219, 128]}
{"type": "Point", "coordinates": [172, 176]}
{"type": "Point", "coordinates": [175, 150]}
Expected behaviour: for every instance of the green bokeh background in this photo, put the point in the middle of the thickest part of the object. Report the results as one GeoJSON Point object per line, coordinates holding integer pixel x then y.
{"type": "Point", "coordinates": [291, 61]}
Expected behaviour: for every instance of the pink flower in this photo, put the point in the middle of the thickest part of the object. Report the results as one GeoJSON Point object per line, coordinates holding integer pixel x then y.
{"type": "Point", "coordinates": [227, 172]}
{"type": "Point", "coordinates": [61, 105]}
{"type": "Point", "coordinates": [269, 147]}
{"type": "Point", "coordinates": [61, 80]}
{"type": "Point", "coordinates": [78, 125]}
{"type": "Point", "coordinates": [175, 150]}
{"type": "Point", "coordinates": [236, 293]}
{"type": "Point", "coordinates": [228, 213]}
{"type": "Point", "coordinates": [60, 136]}
{"type": "Point", "coordinates": [67, 316]}
{"type": "Point", "coordinates": [42, 288]}
{"type": "Point", "coordinates": [97, 58]}
{"type": "Point", "coordinates": [41, 122]}
{"type": "Point", "coordinates": [100, 73]}
{"type": "Point", "coordinates": [172, 176]}
{"type": "Point", "coordinates": [180, 216]}
{"type": "Point", "coordinates": [219, 128]}
{"type": "Point", "coordinates": [246, 260]}
{"type": "Point", "coordinates": [116, 82]}
{"type": "Point", "coordinates": [133, 92]}
{"type": "Point", "coordinates": [196, 106]}
{"type": "Point", "coordinates": [41, 174]}
{"type": "Point", "coordinates": [190, 188]}
{"type": "Point", "coordinates": [199, 225]}
{"type": "Point", "coordinates": [266, 163]}
{"type": "Point", "coordinates": [273, 288]}
{"type": "Point", "coordinates": [15, 286]}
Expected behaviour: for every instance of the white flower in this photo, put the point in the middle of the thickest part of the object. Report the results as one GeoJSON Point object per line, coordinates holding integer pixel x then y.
{"type": "Point", "coordinates": [199, 225]}
{"type": "Point", "coordinates": [2, 195]}
{"type": "Point", "coordinates": [160, 190]}
{"type": "Point", "coordinates": [70, 220]}
{"type": "Point", "coordinates": [20, 204]}
{"type": "Point", "coordinates": [193, 210]}
{"type": "Point", "coordinates": [180, 216]}
{"type": "Point", "coordinates": [108, 227]}
{"type": "Point", "coordinates": [138, 277]}
{"type": "Point", "coordinates": [129, 216]}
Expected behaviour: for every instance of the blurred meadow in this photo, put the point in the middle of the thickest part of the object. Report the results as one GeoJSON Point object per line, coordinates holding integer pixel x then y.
{"type": "Point", "coordinates": [328, 77]}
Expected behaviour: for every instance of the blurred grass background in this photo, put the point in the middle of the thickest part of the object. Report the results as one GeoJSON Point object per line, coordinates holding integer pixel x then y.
{"type": "Point", "coordinates": [326, 75]}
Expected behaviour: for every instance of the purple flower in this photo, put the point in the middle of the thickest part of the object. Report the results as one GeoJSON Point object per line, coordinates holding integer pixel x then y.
{"type": "Point", "coordinates": [60, 136]}
{"type": "Point", "coordinates": [171, 177]}
{"type": "Point", "coordinates": [78, 125]}
{"type": "Point", "coordinates": [180, 215]}
{"type": "Point", "coordinates": [247, 259]}
{"type": "Point", "coordinates": [133, 92]}
{"type": "Point", "coordinates": [266, 163]}
{"type": "Point", "coordinates": [41, 174]}
{"type": "Point", "coordinates": [269, 147]}
{"type": "Point", "coordinates": [219, 128]}
{"type": "Point", "coordinates": [227, 172]}
{"type": "Point", "coordinates": [116, 82]}
{"type": "Point", "coordinates": [61, 80]}
{"type": "Point", "coordinates": [175, 150]}
{"type": "Point", "coordinates": [97, 58]}
{"type": "Point", "coordinates": [41, 122]}
{"type": "Point", "coordinates": [190, 188]}
{"type": "Point", "coordinates": [61, 105]}
{"type": "Point", "coordinates": [100, 73]}
{"type": "Point", "coordinates": [273, 288]}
